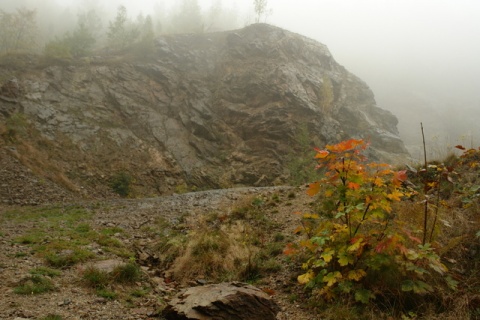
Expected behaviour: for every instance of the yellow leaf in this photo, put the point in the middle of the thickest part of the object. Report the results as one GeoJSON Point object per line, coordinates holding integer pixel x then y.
{"type": "Point", "coordinates": [331, 278]}
{"type": "Point", "coordinates": [355, 246]}
{"type": "Point", "coordinates": [306, 277]}
{"type": "Point", "coordinates": [310, 216]}
{"type": "Point", "coordinates": [327, 255]}
{"type": "Point", "coordinates": [378, 182]}
{"type": "Point", "coordinates": [395, 195]}
{"type": "Point", "coordinates": [356, 274]}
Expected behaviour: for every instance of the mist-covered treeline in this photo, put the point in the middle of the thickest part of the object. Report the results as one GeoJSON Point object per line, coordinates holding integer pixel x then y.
{"type": "Point", "coordinates": [76, 30]}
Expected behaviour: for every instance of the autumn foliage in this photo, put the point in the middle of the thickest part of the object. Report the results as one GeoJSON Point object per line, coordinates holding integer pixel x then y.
{"type": "Point", "coordinates": [354, 244]}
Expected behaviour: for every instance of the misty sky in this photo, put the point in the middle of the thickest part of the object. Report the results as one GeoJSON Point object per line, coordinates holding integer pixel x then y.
{"type": "Point", "coordinates": [431, 47]}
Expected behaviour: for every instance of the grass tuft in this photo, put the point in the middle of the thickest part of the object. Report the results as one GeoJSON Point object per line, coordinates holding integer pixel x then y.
{"type": "Point", "coordinates": [127, 273]}
{"type": "Point", "coordinates": [34, 284]}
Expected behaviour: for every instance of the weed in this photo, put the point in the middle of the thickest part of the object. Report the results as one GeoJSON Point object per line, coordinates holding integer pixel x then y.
{"type": "Point", "coordinates": [107, 294]}
{"type": "Point", "coordinates": [95, 278]}
{"type": "Point", "coordinates": [257, 202]}
{"type": "Point", "coordinates": [210, 243]}
{"type": "Point", "coordinates": [278, 237]}
{"type": "Point", "coordinates": [68, 257]}
{"type": "Point", "coordinates": [138, 293]}
{"type": "Point", "coordinates": [34, 284]}
{"type": "Point", "coordinates": [276, 197]}
{"type": "Point", "coordinates": [83, 228]}
{"type": "Point", "coordinates": [111, 231]}
{"type": "Point", "coordinates": [127, 273]}
{"type": "Point", "coordinates": [32, 238]}
{"type": "Point", "coordinates": [274, 249]}
{"type": "Point", "coordinates": [44, 271]}
{"type": "Point", "coordinates": [52, 317]}
{"type": "Point", "coordinates": [20, 254]}
{"type": "Point", "coordinates": [270, 266]}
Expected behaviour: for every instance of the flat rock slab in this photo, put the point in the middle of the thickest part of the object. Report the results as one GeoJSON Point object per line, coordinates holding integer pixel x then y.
{"type": "Point", "coordinates": [223, 301]}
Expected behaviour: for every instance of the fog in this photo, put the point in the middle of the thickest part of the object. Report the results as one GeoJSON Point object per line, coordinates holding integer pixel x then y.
{"type": "Point", "coordinates": [420, 57]}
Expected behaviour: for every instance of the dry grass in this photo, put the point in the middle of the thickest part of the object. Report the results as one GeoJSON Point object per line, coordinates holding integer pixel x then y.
{"type": "Point", "coordinates": [214, 254]}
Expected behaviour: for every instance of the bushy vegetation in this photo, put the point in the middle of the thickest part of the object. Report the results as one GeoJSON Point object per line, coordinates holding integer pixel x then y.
{"type": "Point", "coordinates": [375, 236]}
{"type": "Point", "coordinates": [120, 184]}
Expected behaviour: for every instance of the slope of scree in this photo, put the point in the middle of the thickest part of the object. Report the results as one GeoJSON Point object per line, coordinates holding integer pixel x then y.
{"type": "Point", "coordinates": [209, 110]}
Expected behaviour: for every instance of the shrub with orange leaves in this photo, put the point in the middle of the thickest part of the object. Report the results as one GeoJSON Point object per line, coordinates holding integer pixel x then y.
{"type": "Point", "coordinates": [354, 244]}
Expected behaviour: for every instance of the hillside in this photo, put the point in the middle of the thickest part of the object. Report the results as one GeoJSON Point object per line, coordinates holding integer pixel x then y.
{"type": "Point", "coordinates": [206, 111]}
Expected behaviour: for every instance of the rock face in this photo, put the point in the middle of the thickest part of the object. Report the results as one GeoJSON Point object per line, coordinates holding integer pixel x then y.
{"type": "Point", "coordinates": [224, 301]}
{"type": "Point", "coordinates": [210, 110]}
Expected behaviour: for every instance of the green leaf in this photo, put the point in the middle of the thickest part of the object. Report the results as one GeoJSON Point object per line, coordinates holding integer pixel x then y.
{"type": "Point", "coordinates": [416, 286]}
{"type": "Point", "coordinates": [319, 263]}
{"type": "Point", "coordinates": [438, 267]}
{"type": "Point", "coordinates": [364, 295]}
{"type": "Point", "coordinates": [412, 255]}
{"type": "Point", "coordinates": [407, 285]}
{"type": "Point", "coordinates": [319, 240]}
{"type": "Point", "coordinates": [452, 284]}
{"type": "Point", "coordinates": [345, 286]}
{"type": "Point", "coordinates": [339, 214]}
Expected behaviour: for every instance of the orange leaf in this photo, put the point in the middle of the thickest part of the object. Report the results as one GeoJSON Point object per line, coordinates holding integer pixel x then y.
{"type": "Point", "coordinates": [269, 291]}
{"type": "Point", "coordinates": [322, 154]}
{"type": "Point", "coordinates": [313, 188]}
{"type": "Point", "coordinates": [401, 175]}
{"type": "Point", "coordinates": [353, 185]}
{"type": "Point", "coordinates": [345, 145]}
{"type": "Point", "coordinates": [289, 250]}
{"type": "Point", "coordinates": [460, 147]}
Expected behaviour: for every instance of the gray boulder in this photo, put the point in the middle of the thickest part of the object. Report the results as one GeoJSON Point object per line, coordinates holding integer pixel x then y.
{"type": "Point", "coordinates": [223, 301]}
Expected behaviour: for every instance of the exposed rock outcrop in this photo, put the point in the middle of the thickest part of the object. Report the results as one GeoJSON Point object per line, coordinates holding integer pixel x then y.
{"type": "Point", "coordinates": [211, 110]}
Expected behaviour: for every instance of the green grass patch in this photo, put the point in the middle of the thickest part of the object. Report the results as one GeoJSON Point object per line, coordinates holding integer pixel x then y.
{"type": "Point", "coordinates": [51, 214]}
{"type": "Point", "coordinates": [107, 294]}
{"type": "Point", "coordinates": [20, 254]}
{"type": "Point", "coordinates": [83, 228]}
{"type": "Point", "coordinates": [34, 284]}
{"type": "Point", "coordinates": [33, 237]}
{"type": "Point", "coordinates": [111, 231]}
{"type": "Point", "coordinates": [45, 271]}
{"type": "Point", "coordinates": [61, 234]}
{"type": "Point", "coordinates": [67, 258]}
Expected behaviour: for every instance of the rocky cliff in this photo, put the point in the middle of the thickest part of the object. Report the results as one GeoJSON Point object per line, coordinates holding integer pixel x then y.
{"type": "Point", "coordinates": [209, 110]}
